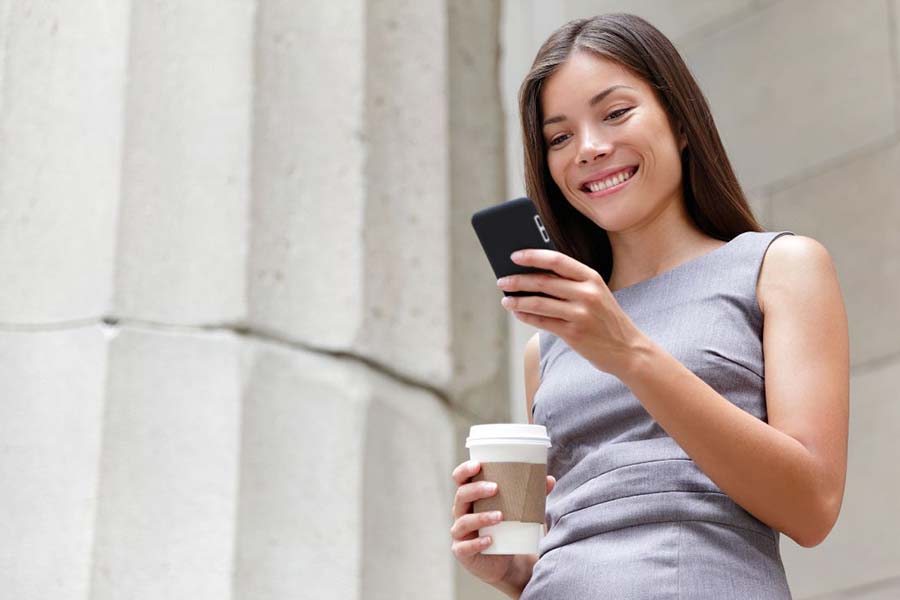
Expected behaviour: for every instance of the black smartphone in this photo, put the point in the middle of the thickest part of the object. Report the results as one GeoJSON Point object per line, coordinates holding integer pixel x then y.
{"type": "Point", "coordinates": [509, 226]}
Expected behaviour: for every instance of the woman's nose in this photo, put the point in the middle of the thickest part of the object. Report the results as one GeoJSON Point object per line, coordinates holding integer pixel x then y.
{"type": "Point", "coordinates": [592, 146]}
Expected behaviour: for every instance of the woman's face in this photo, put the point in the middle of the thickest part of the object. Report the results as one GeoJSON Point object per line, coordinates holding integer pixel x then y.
{"type": "Point", "coordinates": [594, 130]}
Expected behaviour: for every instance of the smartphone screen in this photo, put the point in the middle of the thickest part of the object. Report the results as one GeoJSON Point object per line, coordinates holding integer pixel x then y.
{"type": "Point", "coordinates": [509, 226]}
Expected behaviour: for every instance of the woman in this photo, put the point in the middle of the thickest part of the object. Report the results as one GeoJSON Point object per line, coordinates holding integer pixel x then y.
{"type": "Point", "coordinates": [679, 453]}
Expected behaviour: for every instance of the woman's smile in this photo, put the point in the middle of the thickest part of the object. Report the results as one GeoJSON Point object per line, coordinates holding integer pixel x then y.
{"type": "Point", "coordinates": [609, 185]}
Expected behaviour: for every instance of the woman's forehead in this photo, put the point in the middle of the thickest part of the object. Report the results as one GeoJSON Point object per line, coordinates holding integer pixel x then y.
{"type": "Point", "coordinates": [582, 76]}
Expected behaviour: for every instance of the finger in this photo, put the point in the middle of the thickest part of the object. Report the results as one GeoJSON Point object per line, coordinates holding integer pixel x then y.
{"type": "Point", "coordinates": [564, 289]}
{"type": "Point", "coordinates": [563, 310]}
{"type": "Point", "coordinates": [554, 326]}
{"type": "Point", "coordinates": [464, 526]}
{"type": "Point", "coordinates": [555, 261]}
{"type": "Point", "coordinates": [551, 483]}
{"type": "Point", "coordinates": [470, 547]}
{"type": "Point", "coordinates": [465, 471]}
{"type": "Point", "coordinates": [462, 474]}
{"type": "Point", "coordinates": [467, 494]}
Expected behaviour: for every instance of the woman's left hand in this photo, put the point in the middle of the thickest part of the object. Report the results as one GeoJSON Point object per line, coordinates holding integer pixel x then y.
{"type": "Point", "coordinates": [586, 315]}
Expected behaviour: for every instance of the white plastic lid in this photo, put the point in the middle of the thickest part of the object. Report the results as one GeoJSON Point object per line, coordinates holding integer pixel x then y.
{"type": "Point", "coordinates": [507, 433]}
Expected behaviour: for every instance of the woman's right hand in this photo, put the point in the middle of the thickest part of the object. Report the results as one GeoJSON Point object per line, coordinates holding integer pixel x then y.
{"type": "Point", "coordinates": [467, 546]}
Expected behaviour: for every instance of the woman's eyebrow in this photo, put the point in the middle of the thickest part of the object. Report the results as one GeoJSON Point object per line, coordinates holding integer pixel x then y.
{"type": "Point", "coordinates": [592, 102]}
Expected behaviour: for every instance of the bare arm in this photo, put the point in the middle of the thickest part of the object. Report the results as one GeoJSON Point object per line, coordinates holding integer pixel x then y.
{"type": "Point", "coordinates": [789, 472]}
{"type": "Point", "coordinates": [532, 373]}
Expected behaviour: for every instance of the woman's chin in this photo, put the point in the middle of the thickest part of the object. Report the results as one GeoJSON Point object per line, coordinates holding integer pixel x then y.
{"type": "Point", "coordinates": [613, 218]}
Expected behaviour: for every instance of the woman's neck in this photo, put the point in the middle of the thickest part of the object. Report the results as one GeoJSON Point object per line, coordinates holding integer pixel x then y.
{"type": "Point", "coordinates": [642, 254]}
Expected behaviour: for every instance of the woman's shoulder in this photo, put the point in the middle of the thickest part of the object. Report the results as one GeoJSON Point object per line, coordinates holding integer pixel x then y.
{"type": "Point", "coordinates": [790, 266]}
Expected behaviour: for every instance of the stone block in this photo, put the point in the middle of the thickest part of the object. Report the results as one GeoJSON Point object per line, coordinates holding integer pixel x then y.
{"type": "Point", "coordinates": [307, 261]}
{"type": "Point", "coordinates": [60, 154]}
{"type": "Point", "coordinates": [476, 318]}
{"type": "Point", "coordinates": [407, 491]}
{"type": "Point", "coordinates": [862, 548]}
{"type": "Point", "coordinates": [52, 384]}
{"type": "Point", "coordinates": [854, 211]}
{"type": "Point", "coordinates": [365, 246]}
{"type": "Point", "coordinates": [182, 237]}
{"type": "Point", "coordinates": [167, 507]}
{"type": "Point", "coordinates": [345, 487]}
{"type": "Point", "coordinates": [798, 84]}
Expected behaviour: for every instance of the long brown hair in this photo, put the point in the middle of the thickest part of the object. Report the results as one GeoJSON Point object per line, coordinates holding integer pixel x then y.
{"type": "Point", "coordinates": [712, 194]}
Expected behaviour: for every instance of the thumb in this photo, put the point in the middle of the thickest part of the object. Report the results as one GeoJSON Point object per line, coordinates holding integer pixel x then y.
{"type": "Point", "coordinates": [551, 482]}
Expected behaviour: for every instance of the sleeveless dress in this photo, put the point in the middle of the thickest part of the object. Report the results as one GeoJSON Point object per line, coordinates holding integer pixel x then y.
{"type": "Point", "coordinates": [632, 516]}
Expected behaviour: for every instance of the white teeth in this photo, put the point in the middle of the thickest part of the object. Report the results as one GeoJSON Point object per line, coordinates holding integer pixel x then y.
{"type": "Point", "coordinates": [610, 181]}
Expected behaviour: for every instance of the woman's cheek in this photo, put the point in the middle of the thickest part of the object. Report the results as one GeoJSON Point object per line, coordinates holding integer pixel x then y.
{"type": "Point", "coordinates": [557, 170]}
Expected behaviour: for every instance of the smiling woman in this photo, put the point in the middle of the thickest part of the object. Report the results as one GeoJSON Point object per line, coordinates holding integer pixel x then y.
{"type": "Point", "coordinates": [691, 369]}
{"type": "Point", "coordinates": [615, 88]}
{"type": "Point", "coordinates": [639, 170]}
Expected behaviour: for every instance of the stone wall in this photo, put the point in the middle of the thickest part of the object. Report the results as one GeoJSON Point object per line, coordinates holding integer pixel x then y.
{"type": "Point", "coordinates": [245, 320]}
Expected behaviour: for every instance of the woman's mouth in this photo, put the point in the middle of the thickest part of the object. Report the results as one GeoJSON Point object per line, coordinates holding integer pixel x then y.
{"type": "Point", "coordinates": [610, 185]}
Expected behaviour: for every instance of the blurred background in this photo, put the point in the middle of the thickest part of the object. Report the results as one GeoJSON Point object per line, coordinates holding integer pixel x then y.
{"type": "Point", "coordinates": [245, 323]}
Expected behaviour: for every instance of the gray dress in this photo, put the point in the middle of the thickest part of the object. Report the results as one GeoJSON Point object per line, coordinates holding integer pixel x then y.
{"type": "Point", "coordinates": [631, 515]}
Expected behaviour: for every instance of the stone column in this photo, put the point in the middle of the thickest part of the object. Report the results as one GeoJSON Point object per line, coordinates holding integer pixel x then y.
{"type": "Point", "coordinates": [377, 133]}
{"type": "Point", "coordinates": [62, 75]}
{"type": "Point", "coordinates": [182, 234]}
{"type": "Point", "coordinates": [245, 311]}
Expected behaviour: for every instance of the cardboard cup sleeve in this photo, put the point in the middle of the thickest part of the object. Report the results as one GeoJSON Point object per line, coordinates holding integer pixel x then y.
{"type": "Point", "coordinates": [521, 492]}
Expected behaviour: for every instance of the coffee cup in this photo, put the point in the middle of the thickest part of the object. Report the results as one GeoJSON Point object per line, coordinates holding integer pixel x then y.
{"type": "Point", "coordinates": [514, 455]}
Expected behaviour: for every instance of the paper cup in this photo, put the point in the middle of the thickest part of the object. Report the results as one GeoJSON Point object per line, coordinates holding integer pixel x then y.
{"type": "Point", "coordinates": [514, 455]}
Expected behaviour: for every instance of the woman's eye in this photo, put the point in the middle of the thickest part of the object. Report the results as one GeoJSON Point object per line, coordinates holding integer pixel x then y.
{"type": "Point", "coordinates": [613, 115]}
{"type": "Point", "coordinates": [618, 113]}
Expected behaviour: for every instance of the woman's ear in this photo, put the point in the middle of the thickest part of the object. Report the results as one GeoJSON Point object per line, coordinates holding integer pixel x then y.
{"type": "Point", "coordinates": [682, 139]}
